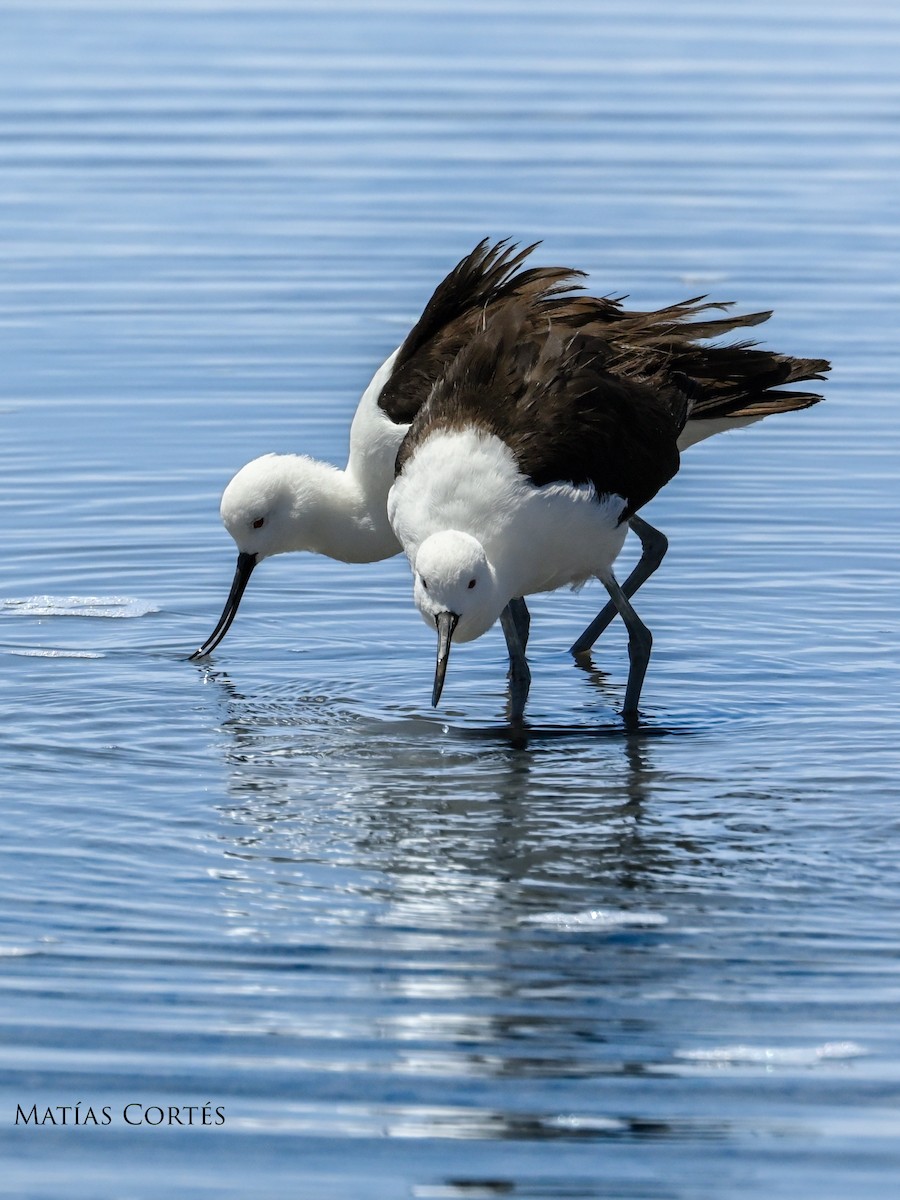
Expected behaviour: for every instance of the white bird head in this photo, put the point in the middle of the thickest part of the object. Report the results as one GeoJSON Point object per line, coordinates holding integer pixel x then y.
{"type": "Point", "coordinates": [264, 505]}
{"type": "Point", "coordinates": [269, 507]}
{"type": "Point", "coordinates": [456, 592]}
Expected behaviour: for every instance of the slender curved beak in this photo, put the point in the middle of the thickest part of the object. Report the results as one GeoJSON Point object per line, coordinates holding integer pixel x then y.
{"type": "Point", "coordinates": [446, 622]}
{"type": "Point", "coordinates": [245, 565]}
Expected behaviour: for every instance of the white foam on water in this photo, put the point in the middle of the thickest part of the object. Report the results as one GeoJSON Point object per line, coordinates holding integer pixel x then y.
{"type": "Point", "coordinates": [586, 1124]}
{"type": "Point", "coordinates": [57, 653]}
{"type": "Point", "coordinates": [596, 918]}
{"type": "Point", "coordinates": [775, 1056]}
{"type": "Point", "coordinates": [16, 951]}
{"type": "Point", "coordinates": [78, 606]}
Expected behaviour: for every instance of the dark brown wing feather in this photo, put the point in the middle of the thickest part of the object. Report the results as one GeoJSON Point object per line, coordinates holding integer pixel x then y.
{"type": "Point", "coordinates": [737, 380]}
{"type": "Point", "coordinates": [488, 276]}
{"type": "Point", "coordinates": [586, 392]}
{"type": "Point", "coordinates": [662, 348]}
{"type": "Point", "coordinates": [564, 415]}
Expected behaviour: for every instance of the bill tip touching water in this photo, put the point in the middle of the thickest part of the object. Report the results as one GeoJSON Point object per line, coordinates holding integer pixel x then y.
{"type": "Point", "coordinates": [507, 447]}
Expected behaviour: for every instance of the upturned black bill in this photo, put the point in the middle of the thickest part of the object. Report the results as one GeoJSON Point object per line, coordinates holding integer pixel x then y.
{"type": "Point", "coordinates": [245, 565]}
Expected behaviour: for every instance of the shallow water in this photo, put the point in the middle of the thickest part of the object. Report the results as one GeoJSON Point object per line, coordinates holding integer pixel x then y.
{"type": "Point", "coordinates": [403, 955]}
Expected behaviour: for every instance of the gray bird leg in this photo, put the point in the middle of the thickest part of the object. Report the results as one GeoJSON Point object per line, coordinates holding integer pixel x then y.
{"type": "Point", "coordinates": [515, 622]}
{"type": "Point", "coordinates": [640, 641]}
{"type": "Point", "coordinates": [654, 546]}
{"type": "Point", "coordinates": [520, 614]}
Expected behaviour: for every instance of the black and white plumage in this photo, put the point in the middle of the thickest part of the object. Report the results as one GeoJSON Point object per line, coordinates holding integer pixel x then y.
{"type": "Point", "coordinates": [285, 502]}
{"type": "Point", "coordinates": [534, 451]}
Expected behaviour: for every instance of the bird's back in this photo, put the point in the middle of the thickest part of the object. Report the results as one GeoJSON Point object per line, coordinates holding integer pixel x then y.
{"type": "Point", "coordinates": [551, 398]}
{"type": "Point", "coordinates": [487, 278]}
{"type": "Point", "coordinates": [586, 391]}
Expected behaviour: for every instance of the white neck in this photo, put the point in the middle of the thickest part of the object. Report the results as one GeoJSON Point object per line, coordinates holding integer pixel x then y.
{"type": "Point", "coordinates": [341, 518]}
{"type": "Point", "coordinates": [361, 496]}
{"type": "Point", "coordinates": [374, 440]}
{"type": "Point", "coordinates": [345, 514]}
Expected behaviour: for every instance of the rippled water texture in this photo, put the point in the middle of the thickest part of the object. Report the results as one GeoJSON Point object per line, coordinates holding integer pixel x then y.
{"type": "Point", "coordinates": [402, 955]}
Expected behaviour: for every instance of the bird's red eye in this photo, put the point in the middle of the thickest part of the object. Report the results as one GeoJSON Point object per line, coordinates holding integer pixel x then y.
{"type": "Point", "coordinates": [259, 522]}
{"type": "Point", "coordinates": [471, 583]}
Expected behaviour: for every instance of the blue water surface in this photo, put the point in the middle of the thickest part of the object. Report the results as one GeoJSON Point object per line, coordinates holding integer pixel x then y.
{"type": "Point", "coordinates": [397, 953]}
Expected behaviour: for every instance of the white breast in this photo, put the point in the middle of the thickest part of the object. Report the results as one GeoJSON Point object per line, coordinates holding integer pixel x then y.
{"type": "Point", "coordinates": [537, 539]}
